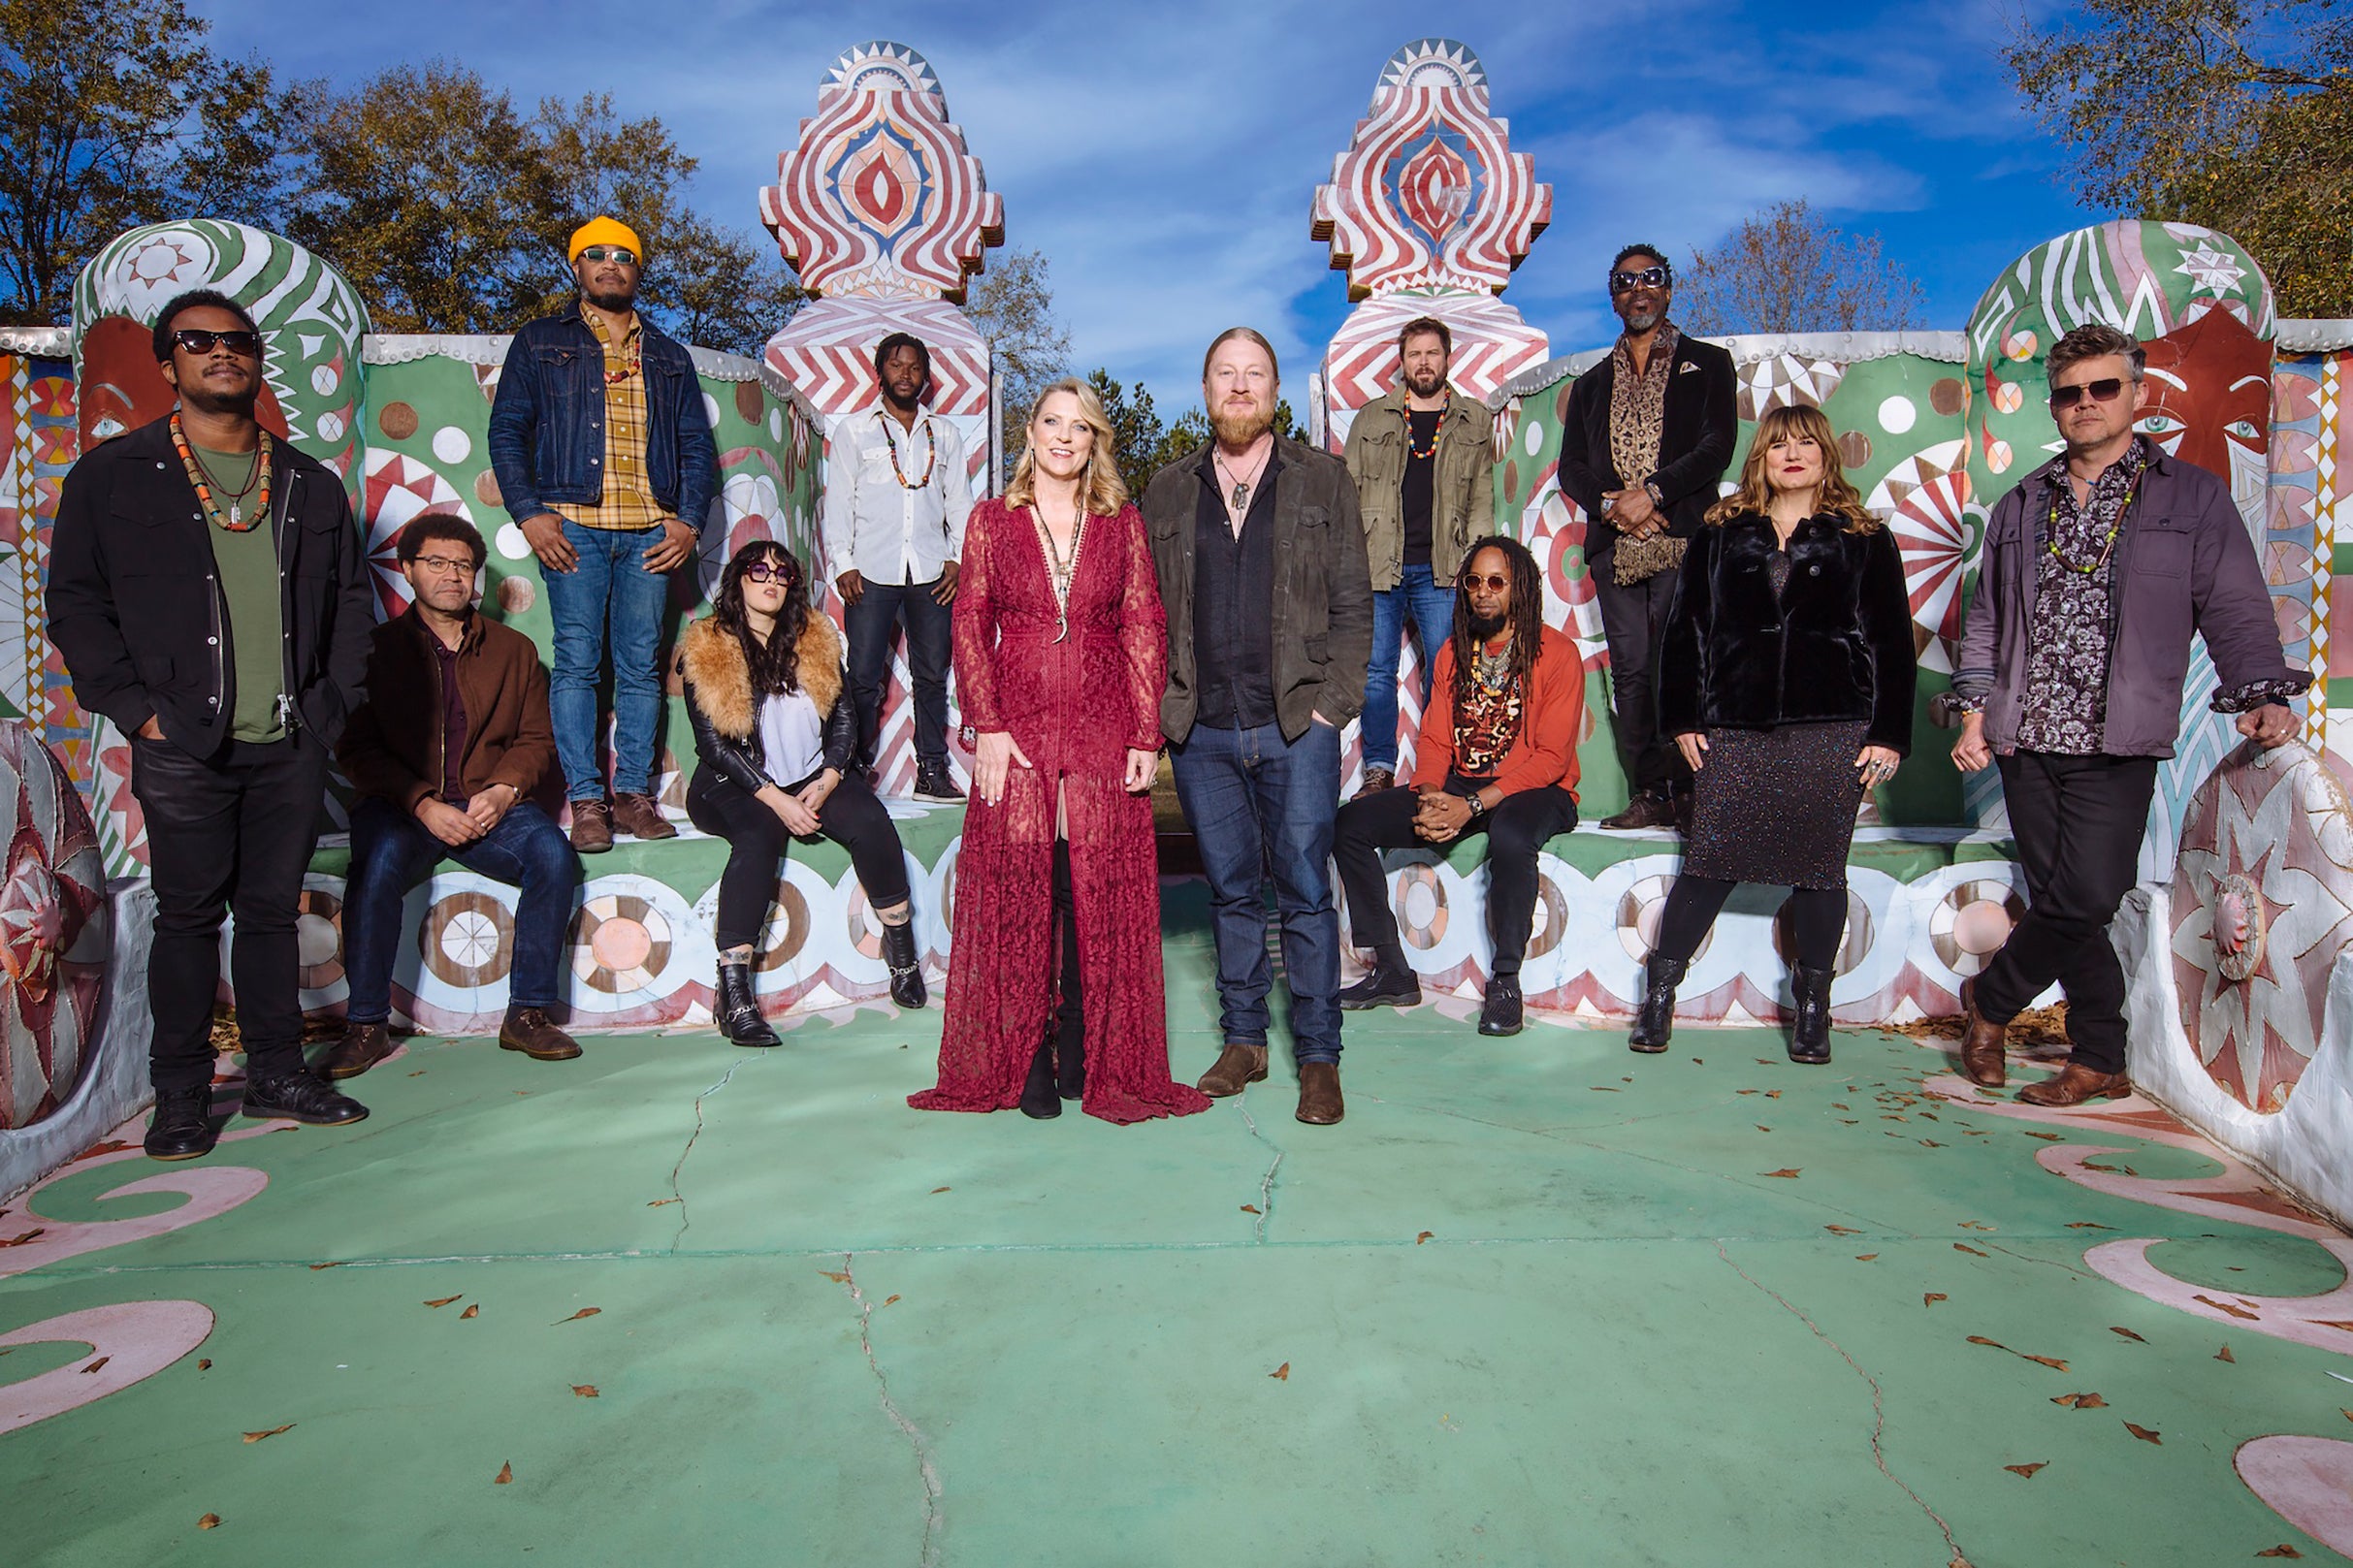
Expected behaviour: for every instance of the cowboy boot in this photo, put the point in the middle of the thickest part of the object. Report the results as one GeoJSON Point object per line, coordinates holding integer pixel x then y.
{"type": "Point", "coordinates": [738, 1007]}
{"type": "Point", "coordinates": [906, 967]}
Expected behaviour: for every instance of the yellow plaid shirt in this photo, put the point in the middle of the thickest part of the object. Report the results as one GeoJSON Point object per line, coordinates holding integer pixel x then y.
{"type": "Point", "coordinates": [629, 500]}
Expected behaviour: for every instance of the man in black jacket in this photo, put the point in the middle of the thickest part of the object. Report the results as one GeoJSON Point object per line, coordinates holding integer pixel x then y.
{"type": "Point", "coordinates": [1261, 562]}
{"type": "Point", "coordinates": [1647, 437]}
{"type": "Point", "coordinates": [209, 595]}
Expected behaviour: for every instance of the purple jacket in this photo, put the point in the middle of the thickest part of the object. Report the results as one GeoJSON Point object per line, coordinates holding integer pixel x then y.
{"type": "Point", "coordinates": [2182, 565]}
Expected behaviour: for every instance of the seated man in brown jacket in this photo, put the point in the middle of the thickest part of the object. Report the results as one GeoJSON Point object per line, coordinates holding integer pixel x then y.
{"type": "Point", "coordinates": [454, 733]}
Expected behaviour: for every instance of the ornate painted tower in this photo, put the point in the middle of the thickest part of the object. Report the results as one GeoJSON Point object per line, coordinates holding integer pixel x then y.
{"type": "Point", "coordinates": [1427, 213]}
{"type": "Point", "coordinates": [886, 215]}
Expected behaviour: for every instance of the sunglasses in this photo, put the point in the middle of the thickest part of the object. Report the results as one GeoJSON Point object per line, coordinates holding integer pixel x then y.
{"type": "Point", "coordinates": [764, 571]}
{"type": "Point", "coordinates": [612, 253]}
{"type": "Point", "coordinates": [1493, 581]}
{"type": "Point", "coordinates": [1649, 278]}
{"type": "Point", "coordinates": [2105, 390]}
{"type": "Point", "coordinates": [197, 341]}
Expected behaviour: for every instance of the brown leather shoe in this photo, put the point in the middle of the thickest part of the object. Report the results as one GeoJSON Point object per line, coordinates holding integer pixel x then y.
{"type": "Point", "coordinates": [592, 826]}
{"type": "Point", "coordinates": [1319, 1100]}
{"type": "Point", "coordinates": [1237, 1065]}
{"type": "Point", "coordinates": [640, 818]}
{"type": "Point", "coordinates": [529, 1030]}
{"type": "Point", "coordinates": [2076, 1083]}
{"type": "Point", "coordinates": [1982, 1043]}
{"type": "Point", "coordinates": [1641, 812]}
{"type": "Point", "coordinates": [1376, 780]}
{"type": "Point", "coordinates": [361, 1047]}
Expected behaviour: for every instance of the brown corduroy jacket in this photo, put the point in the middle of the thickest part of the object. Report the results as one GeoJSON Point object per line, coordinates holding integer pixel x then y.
{"type": "Point", "coordinates": [391, 745]}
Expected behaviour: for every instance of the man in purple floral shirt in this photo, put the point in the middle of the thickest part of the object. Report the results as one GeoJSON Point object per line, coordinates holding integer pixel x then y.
{"type": "Point", "coordinates": [2097, 570]}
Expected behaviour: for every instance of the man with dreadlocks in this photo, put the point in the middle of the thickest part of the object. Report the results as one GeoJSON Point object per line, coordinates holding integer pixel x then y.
{"type": "Point", "coordinates": [1497, 756]}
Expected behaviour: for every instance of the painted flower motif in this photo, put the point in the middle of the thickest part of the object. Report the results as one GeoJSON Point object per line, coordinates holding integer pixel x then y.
{"type": "Point", "coordinates": [32, 920]}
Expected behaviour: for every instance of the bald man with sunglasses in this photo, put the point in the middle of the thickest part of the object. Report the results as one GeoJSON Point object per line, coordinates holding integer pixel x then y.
{"type": "Point", "coordinates": [2097, 570]}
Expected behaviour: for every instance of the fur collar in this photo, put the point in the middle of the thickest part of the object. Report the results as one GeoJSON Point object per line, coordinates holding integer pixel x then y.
{"type": "Point", "coordinates": [713, 662]}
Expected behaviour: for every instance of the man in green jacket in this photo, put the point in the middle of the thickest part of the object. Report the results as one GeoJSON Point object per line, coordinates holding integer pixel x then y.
{"type": "Point", "coordinates": [1425, 487]}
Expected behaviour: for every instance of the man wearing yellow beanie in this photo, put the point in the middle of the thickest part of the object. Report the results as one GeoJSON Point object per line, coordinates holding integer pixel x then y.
{"type": "Point", "coordinates": [604, 458]}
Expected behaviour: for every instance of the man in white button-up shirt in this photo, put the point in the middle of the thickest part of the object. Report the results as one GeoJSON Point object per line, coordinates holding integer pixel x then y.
{"type": "Point", "coordinates": [896, 499]}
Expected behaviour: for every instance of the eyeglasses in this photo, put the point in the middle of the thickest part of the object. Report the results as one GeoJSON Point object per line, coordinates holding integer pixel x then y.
{"type": "Point", "coordinates": [1649, 278]}
{"type": "Point", "coordinates": [2104, 390]}
{"type": "Point", "coordinates": [612, 253]}
{"type": "Point", "coordinates": [461, 566]}
{"type": "Point", "coordinates": [763, 571]}
{"type": "Point", "coordinates": [197, 341]}
{"type": "Point", "coordinates": [1493, 581]}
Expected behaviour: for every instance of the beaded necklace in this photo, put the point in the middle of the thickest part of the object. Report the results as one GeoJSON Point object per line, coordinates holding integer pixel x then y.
{"type": "Point", "coordinates": [1423, 453]}
{"type": "Point", "coordinates": [2109, 546]}
{"type": "Point", "coordinates": [1491, 673]}
{"type": "Point", "coordinates": [631, 362]}
{"type": "Point", "coordinates": [1059, 568]}
{"type": "Point", "coordinates": [931, 455]}
{"type": "Point", "coordinates": [199, 476]}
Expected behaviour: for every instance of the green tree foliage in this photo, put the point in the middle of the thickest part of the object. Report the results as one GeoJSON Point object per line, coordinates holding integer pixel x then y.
{"type": "Point", "coordinates": [1011, 306]}
{"type": "Point", "coordinates": [114, 113]}
{"type": "Point", "coordinates": [1786, 270]}
{"type": "Point", "coordinates": [2236, 115]}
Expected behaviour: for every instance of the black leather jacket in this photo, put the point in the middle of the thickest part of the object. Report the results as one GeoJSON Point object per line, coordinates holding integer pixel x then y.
{"type": "Point", "coordinates": [742, 763]}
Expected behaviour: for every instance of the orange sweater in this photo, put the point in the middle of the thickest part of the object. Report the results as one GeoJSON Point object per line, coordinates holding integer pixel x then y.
{"type": "Point", "coordinates": [1546, 751]}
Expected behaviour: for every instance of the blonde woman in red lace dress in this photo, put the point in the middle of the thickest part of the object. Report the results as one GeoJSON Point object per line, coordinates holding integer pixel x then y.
{"type": "Point", "coordinates": [1061, 650]}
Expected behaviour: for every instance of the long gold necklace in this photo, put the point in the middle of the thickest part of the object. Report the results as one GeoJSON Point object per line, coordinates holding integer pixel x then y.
{"type": "Point", "coordinates": [1060, 569]}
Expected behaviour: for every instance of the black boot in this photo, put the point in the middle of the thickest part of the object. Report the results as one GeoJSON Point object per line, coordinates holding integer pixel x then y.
{"type": "Point", "coordinates": [906, 969]}
{"type": "Point", "coordinates": [738, 1007]}
{"type": "Point", "coordinates": [182, 1128]}
{"type": "Point", "coordinates": [1655, 1021]}
{"type": "Point", "coordinates": [1069, 1013]}
{"type": "Point", "coordinates": [1389, 983]}
{"type": "Point", "coordinates": [1039, 1101]}
{"type": "Point", "coordinates": [1810, 1037]}
{"type": "Point", "coordinates": [1501, 1012]}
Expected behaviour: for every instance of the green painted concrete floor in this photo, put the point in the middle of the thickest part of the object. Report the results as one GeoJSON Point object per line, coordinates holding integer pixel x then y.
{"type": "Point", "coordinates": [1536, 1302]}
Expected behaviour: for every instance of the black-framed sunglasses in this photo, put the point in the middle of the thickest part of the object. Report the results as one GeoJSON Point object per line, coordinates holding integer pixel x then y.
{"type": "Point", "coordinates": [612, 253]}
{"type": "Point", "coordinates": [1493, 582]}
{"type": "Point", "coordinates": [1649, 278]}
{"type": "Point", "coordinates": [2105, 390]}
{"type": "Point", "coordinates": [197, 341]}
{"type": "Point", "coordinates": [773, 571]}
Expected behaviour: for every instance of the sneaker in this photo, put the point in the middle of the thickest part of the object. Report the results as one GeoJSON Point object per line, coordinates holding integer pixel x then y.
{"type": "Point", "coordinates": [1376, 780]}
{"type": "Point", "coordinates": [182, 1128]}
{"type": "Point", "coordinates": [935, 783]}
{"type": "Point", "coordinates": [298, 1097]}
{"type": "Point", "coordinates": [640, 818]}
{"type": "Point", "coordinates": [1383, 987]}
{"type": "Point", "coordinates": [592, 826]}
{"type": "Point", "coordinates": [1500, 1012]}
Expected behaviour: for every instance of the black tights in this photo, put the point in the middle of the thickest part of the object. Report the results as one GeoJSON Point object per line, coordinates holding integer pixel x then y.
{"type": "Point", "coordinates": [1070, 1030]}
{"type": "Point", "coordinates": [1817, 919]}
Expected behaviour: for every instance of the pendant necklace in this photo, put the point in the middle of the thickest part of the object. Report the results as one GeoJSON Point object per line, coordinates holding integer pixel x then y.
{"type": "Point", "coordinates": [1060, 569]}
{"type": "Point", "coordinates": [1492, 671]}
{"type": "Point", "coordinates": [1238, 502]}
{"type": "Point", "coordinates": [931, 455]}
{"type": "Point", "coordinates": [200, 478]}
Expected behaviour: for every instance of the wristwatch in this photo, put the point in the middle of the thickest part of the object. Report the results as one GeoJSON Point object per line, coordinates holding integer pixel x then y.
{"type": "Point", "coordinates": [1609, 504]}
{"type": "Point", "coordinates": [1478, 807]}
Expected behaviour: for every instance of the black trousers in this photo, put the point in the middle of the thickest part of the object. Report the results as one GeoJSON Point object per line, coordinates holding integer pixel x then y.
{"type": "Point", "coordinates": [1634, 618]}
{"type": "Point", "coordinates": [870, 623]}
{"type": "Point", "coordinates": [228, 835]}
{"type": "Point", "coordinates": [756, 840]}
{"type": "Point", "coordinates": [2077, 822]}
{"type": "Point", "coordinates": [1516, 830]}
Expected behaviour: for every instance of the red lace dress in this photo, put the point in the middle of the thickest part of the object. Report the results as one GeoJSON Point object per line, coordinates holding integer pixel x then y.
{"type": "Point", "coordinates": [1074, 707]}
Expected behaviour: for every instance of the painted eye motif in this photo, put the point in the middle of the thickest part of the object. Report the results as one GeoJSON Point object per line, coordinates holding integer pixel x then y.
{"type": "Point", "coordinates": [2161, 426]}
{"type": "Point", "coordinates": [107, 427]}
{"type": "Point", "coordinates": [2243, 429]}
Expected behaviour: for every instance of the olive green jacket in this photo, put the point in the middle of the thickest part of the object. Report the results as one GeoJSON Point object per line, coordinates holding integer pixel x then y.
{"type": "Point", "coordinates": [1462, 495]}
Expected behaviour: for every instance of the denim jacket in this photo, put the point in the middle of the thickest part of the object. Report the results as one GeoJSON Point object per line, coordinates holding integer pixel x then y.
{"type": "Point", "coordinates": [547, 423]}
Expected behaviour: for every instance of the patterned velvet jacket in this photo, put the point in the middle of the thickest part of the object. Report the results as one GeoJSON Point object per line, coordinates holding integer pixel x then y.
{"type": "Point", "coordinates": [726, 719]}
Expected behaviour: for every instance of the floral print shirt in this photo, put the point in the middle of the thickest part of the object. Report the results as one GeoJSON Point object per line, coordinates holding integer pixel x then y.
{"type": "Point", "coordinates": [2067, 646]}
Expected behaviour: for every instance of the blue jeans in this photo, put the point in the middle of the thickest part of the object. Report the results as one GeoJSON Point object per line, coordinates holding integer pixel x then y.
{"type": "Point", "coordinates": [1430, 604]}
{"type": "Point", "coordinates": [609, 600]}
{"type": "Point", "coordinates": [1253, 799]}
{"type": "Point", "coordinates": [391, 852]}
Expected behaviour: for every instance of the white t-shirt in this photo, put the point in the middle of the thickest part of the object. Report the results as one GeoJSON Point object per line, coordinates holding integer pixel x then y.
{"type": "Point", "coordinates": [791, 737]}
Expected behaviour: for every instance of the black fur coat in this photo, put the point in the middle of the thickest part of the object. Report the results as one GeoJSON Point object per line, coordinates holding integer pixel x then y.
{"type": "Point", "coordinates": [1836, 644]}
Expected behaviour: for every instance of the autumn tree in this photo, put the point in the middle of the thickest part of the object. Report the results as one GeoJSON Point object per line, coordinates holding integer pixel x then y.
{"type": "Point", "coordinates": [1011, 306]}
{"type": "Point", "coordinates": [2236, 115]}
{"type": "Point", "coordinates": [1786, 270]}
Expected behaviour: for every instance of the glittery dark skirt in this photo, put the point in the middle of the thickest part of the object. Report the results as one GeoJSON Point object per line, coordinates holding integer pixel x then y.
{"type": "Point", "coordinates": [1776, 806]}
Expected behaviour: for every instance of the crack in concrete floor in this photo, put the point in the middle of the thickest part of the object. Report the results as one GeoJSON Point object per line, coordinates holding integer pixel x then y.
{"type": "Point", "coordinates": [1266, 1183]}
{"type": "Point", "coordinates": [678, 1195]}
{"type": "Point", "coordinates": [924, 1467]}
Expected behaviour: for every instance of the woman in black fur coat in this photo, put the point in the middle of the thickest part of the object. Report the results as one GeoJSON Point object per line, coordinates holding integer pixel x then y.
{"type": "Point", "coordinates": [1786, 678]}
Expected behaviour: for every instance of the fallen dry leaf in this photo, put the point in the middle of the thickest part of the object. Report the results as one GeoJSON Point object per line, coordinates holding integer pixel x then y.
{"type": "Point", "coordinates": [664, 1202]}
{"type": "Point", "coordinates": [1934, 1296]}
{"type": "Point", "coordinates": [442, 1301]}
{"type": "Point", "coordinates": [586, 1391]}
{"type": "Point", "coordinates": [1866, 1257]}
{"type": "Point", "coordinates": [1282, 1374]}
{"type": "Point", "coordinates": [2332, 1322]}
{"type": "Point", "coordinates": [2283, 1550]}
{"type": "Point", "coordinates": [2226, 1306]}
{"type": "Point", "coordinates": [2026, 1470]}
{"type": "Point", "coordinates": [2080, 1401]}
{"type": "Point", "coordinates": [96, 1364]}
{"type": "Point", "coordinates": [2144, 1433]}
{"type": "Point", "coordinates": [2051, 1362]}
{"type": "Point", "coordinates": [1971, 1251]}
{"type": "Point", "coordinates": [1974, 1225]}
{"type": "Point", "coordinates": [255, 1437]}
{"type": "Point", "coordinates": [1835, 1106]}
{"type": "Point", "coordinates": [887, 1299]}
{"type": "Point", "coordinates": [316, 1267]}
{"type": "Point", "coordinates": [2347, 1414]}
{"type": "Point", "coordinates": [1424, 1236]}
{"type": "Point", "coordinates": [1604, 1088]}
{"type": "Point", "coordinates": [838, 1276]}
{"type": "Point", "coordinates": [1930, 1143]}
{"type": "Point", "coordinates": [1785, 1170]}
{"type": "Point", "coordinates": [2047, 1138]}
{"type": "Point", "coordinates": [210, 1521]}
{"type": "Point", "coordinates": [584, 1312]}
{"type": "Point", "coordinates": [1981, 1340]}
{"type": "Point", "coordinates": [2088, 1225]}
{"type": "Point", "coordinates": [505, 1476]}
{"type": "Point", "coordinates": [2224, 1355]}
{"type": "Point", "coordinates": [2127, 1334]}
{"type": "Point", "coordinates": [1250, 1208]}
{"type": "Point", "coordinates": [30, 1236]}
{"type": "Point", "coordinates": [936, 1191]}
{"type": "Point", "coordinates": [205, 1365]}
{"type": "Point", "coordinates": [472, 1311]}
{"type": "Point", "coordinates": [1842, 1230]}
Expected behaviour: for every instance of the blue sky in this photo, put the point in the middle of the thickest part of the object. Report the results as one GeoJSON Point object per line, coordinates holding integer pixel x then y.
{"type": "Point", "coordinates": [1163, 157]}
